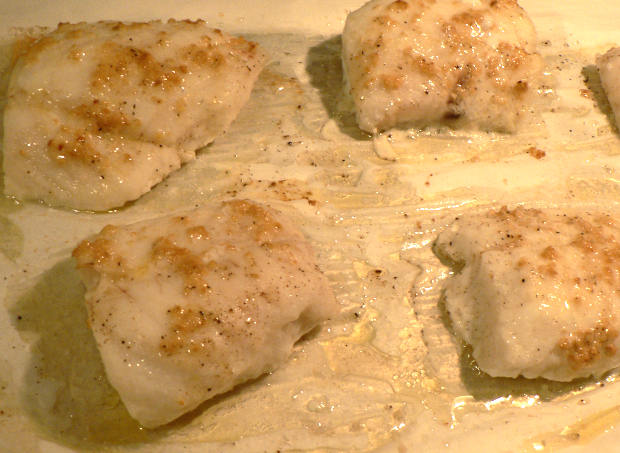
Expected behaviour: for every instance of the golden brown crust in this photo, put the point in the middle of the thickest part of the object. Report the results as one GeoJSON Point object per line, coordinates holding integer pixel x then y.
{"type": "Point", "coordinates": [129, 70]}
{"type": "Point", "coordinates": [590, 239]}
{"type": "Point", "coordinates": [586, 346]}
{"type": "Point", "coordinates": [457, 54]}
{"type": "Point", "coordinates": [263, 224]}
{"type": "Point", "coordinates": [99, 252]}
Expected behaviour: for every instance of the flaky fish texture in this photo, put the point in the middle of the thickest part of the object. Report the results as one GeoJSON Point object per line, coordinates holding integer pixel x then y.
{"type": "Point", "coordinates": [98, 113]}
{"type": "Point", "coordinates": [535, 292]}
{"type": "Point", "coordinates": [186, 307]}
{"type": "Point", "coordinates": [418, 63]}
{"type": "Point", "coordinates": [609, 71]}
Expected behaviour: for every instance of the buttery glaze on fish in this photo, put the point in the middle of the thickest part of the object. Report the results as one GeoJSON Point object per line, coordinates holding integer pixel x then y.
{"type": "Point", "coordinates": [99, 113]}
{"type": "Point", "coordinates": [186, 307]}
{"type": "Point", "coordinates": [535, 292]}
{"type": "Point", "coordinates": [425, 62]}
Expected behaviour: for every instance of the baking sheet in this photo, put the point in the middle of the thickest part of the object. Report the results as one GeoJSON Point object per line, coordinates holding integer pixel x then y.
{"type": "Point", "coordinates": [386, 374]}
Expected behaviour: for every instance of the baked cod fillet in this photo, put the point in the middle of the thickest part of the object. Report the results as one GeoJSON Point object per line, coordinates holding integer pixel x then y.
{"type": "Point", "coordinates": [535, 293]}
{"type": "Point", "coordinates": [609, 71]}
{"type": "Point", "coordinates": [423, 62]}
{"type": "Point", "coordinates": [99, 113]}
{"type": "Point", "coordinates": [186, 307]}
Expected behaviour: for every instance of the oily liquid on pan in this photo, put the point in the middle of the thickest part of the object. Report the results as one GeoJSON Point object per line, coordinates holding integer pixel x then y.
{"type": "Point", "coordinates": [374, 372]}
